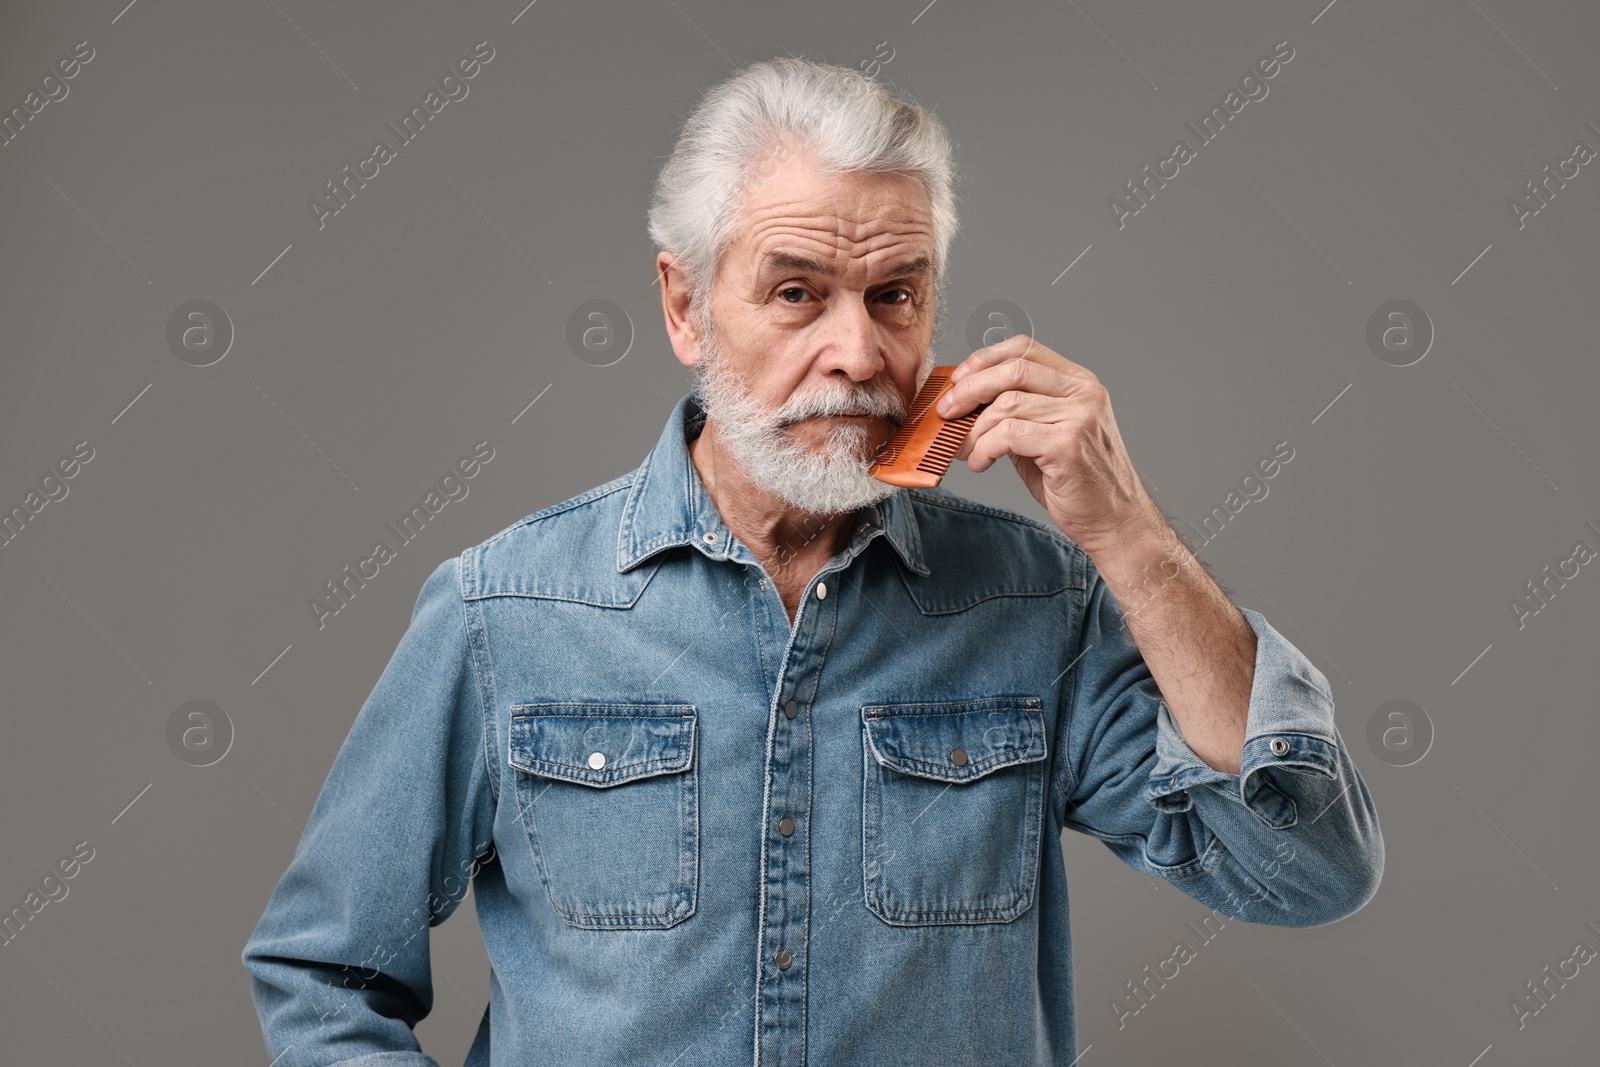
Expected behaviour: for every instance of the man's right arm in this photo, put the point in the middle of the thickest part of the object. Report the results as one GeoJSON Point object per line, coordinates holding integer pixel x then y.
{"type": "Point", "coordinates": [339, 960]}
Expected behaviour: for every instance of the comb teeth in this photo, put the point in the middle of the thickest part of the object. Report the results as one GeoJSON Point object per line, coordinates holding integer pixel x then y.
{"type": "Point", "coordinates": [946, 443]}
{"type": "Point", "coordinates": [938, 380]}
{"type": "Point", "coordinates": [921, 451]}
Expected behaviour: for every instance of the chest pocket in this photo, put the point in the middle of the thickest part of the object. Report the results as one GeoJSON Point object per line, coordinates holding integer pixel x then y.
{"type": "Point", "coordinates": [608, 794]}
{"type": "Point", "coordinates": [953, 806]}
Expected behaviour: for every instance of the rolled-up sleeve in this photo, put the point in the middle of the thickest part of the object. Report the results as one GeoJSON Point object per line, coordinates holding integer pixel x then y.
{"type": "Point", "coordinates": [339, 960]}
{"type": "Point", "coordinates": [1292, 839]}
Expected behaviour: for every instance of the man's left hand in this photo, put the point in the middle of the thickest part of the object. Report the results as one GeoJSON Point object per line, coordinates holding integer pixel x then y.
{"type": "Point", "coordinates": [1053, 418]}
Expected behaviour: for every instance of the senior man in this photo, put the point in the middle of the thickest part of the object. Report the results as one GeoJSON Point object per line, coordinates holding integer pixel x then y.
{"type": "Point", "coordinates": [751, 757]}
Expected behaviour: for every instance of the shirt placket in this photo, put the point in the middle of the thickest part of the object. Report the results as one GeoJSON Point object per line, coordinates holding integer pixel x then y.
{"type": "Point", "coordinates": [786, 844]}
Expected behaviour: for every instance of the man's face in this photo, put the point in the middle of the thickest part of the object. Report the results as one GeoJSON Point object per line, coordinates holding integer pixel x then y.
{"type": "Point", "coordinates": [819, 332]}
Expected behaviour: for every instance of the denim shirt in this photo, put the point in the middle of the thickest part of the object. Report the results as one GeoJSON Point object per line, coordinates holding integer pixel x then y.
{"type": "Point", "coordinates": [699, 833]}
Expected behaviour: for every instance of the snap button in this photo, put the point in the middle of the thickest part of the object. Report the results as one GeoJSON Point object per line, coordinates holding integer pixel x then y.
{"type": "Point", "coordinates": [822, 590]}
{"type": "Point", "coordinates": [790, 709]}
{"type": "Point", "coordinates": [1173, 781]}
{"type": "Point", "coordinates": [711, 538]}
{"type": "Point", "coordinates": [958, 756]}
{"type": "Point", "coordinates": [1279, 746]}
{"type": "Point", "coordinates": [597, 760]}
{"type": "Point", "coordinates": [783, 959]}
{"type": "Point", "coordinates": [786, 826]}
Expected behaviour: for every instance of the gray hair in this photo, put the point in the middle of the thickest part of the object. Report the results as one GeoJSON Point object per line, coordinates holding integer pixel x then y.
{"type": "Point", "coordinates": [840, 118]}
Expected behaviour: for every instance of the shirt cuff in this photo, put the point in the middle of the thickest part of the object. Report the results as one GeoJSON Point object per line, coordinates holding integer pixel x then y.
{"type": "Point", "coordinates": [1289, 728]}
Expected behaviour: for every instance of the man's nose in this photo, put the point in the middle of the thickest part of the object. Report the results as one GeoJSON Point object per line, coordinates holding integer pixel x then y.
{"type": "Point", "coordinates": [852, 339]}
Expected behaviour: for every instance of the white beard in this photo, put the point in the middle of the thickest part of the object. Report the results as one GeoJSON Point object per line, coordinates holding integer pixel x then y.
{"type": "Point", "coordinates": [831, 481]}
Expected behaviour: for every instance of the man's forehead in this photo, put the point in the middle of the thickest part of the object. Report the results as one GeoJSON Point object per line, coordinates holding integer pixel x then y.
{"type": "Point", "coordinates": [821, 238]}
{"type": "Point", "coordinates": [801, 218]}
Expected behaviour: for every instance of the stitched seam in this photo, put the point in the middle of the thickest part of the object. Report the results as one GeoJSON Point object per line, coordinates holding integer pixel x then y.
{"type": "Point", "coordinates": [576, 599]}
{"type": "Point", "coordinates": [485, 725]}
{"type": "Point", "coordinates": [486, 706]}
{"type": "Point", "coordinates": [515, 708]}
{"type": "Point", "coordinates": [971, 772]}
{"type": "Point", "coordinates": [635, 770]}
{"type": "Point", "coordinates": [989, 594]}
{"type": "Point", "coordinates": [687, 890]}
{"type": "Point", "coordinates": [1000, 703]}
{"type": "Point", "coordinates": [529, 828]}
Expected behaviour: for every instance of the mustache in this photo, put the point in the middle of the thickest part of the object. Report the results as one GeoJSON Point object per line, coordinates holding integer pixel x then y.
{"type": "Point", "coordinates": [880, 400]}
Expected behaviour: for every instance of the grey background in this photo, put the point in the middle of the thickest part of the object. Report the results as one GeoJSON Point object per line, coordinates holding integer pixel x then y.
{"type": "Point", "coordinates": [1229, 315]}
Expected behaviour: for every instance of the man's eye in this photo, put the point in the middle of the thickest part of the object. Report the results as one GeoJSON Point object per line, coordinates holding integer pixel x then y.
{"type": "Point", "coordinates": [791, 289]}
{"type": "Point", "coordinates": [905, 292]}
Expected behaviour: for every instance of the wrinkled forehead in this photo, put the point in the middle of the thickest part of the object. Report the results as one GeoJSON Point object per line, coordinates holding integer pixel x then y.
{"type": "Point", "coordinates": [802, 218]}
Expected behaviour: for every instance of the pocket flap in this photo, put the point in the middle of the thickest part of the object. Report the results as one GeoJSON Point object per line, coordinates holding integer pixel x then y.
{"type": "Point", "coordinates": [602, 744]}
{"type": "Point", "coordinates": [957, 741]}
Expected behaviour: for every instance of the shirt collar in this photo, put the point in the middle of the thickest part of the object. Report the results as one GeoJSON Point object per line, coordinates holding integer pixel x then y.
{"type": "Point", "coordinates": [668, 505]}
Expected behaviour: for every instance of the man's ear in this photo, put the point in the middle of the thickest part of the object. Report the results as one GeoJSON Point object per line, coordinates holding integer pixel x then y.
{"type": "Point", "coordinates": [675, 309]}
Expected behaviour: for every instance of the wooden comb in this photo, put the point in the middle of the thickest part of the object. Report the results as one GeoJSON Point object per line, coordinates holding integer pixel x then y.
{"type": "Point", "coordinates": [920, 452]}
